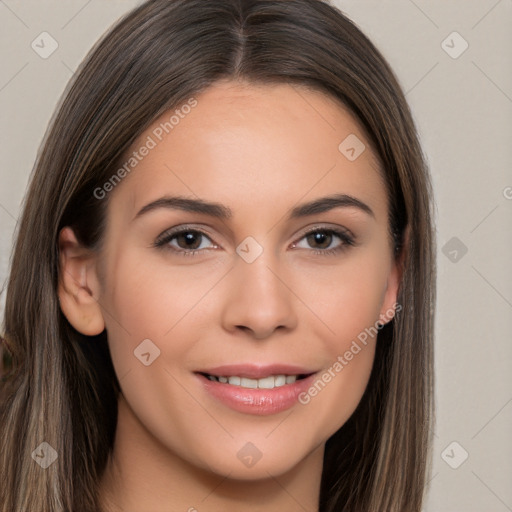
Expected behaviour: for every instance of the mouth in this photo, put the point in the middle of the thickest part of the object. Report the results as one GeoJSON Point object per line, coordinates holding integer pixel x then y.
{"type": "Point", "coordinates": [256, 389]}
{"type": "Point", "coordinates": [270, 382]}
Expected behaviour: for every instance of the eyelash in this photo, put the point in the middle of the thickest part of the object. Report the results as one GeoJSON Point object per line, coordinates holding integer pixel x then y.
{"type": "Point", "coordinates": [347, 240]}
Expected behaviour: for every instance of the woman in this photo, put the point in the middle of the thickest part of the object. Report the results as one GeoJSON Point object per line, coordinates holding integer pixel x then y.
{"type": "Point", "coordinates": [222, 290]}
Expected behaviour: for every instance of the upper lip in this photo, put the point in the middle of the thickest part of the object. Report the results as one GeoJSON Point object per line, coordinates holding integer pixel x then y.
{"type": "Point", "coordinates": [256, 371]}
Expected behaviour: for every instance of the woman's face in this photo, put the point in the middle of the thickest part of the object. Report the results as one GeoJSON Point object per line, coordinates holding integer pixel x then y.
{"type": "Point", "coordinates": [250, 241]}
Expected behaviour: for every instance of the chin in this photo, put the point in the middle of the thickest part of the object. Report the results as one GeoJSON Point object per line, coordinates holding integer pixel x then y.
{"type": "Point", "coordinates": [245, 461]}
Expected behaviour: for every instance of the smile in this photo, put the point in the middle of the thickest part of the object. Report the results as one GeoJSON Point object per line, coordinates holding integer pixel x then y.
{"type": "Point", "coordinates": [270, 382]}
{"type": "Point", "coordinates": [256, 389]}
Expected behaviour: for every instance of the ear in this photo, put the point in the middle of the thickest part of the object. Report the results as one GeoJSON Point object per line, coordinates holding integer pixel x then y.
{"type": "Point", "coordinates": [79, 287]}
{"type": "Point", "coordinates": [394, 279]}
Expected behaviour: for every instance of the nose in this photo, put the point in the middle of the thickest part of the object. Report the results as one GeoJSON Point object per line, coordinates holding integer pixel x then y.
{"type": "Point", "coordinates": [258, 299]}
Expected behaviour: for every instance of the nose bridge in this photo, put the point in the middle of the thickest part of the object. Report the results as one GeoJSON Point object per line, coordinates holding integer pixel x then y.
{"type": "Point", "coordinates": [257, 298]}
{"type": "Point", "coordinates": [261, 275]}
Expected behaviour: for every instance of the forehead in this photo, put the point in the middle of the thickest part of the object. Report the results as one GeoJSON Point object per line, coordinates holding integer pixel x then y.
{"type": "Point", "coordinates": [245, 144]}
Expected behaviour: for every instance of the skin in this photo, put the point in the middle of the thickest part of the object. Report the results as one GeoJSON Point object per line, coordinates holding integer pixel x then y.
{"type": "Point", "coordinates": [260, 151]}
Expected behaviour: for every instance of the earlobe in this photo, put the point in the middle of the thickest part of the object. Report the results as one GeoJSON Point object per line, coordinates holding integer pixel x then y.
{"type": "Point", "coordinates": [78, 287]}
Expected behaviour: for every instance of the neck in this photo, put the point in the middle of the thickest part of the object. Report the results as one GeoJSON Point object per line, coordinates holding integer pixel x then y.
{"type": "Point", "coordinates": [144, 476]}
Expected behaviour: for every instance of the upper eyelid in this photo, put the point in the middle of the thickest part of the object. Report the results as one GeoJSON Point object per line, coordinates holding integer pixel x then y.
{"type": "Point", "coordinates": [181, 229]}
{"type": "Point", "coordinates": [341, 229]}
{"type": "Point", "coordinates": [171, 232]}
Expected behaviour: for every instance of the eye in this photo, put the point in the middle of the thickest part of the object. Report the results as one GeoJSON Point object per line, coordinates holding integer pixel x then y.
{"type": "Point", "coordinates": [186, 241]}
{"type": "Point", "coordinates": [325, 241]}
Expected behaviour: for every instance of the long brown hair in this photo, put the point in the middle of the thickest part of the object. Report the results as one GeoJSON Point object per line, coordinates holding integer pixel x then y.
{"type": "Point", "coordinates": [61, 387]}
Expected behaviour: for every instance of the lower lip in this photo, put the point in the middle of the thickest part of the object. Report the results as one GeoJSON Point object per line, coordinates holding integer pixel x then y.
{"type": "Point", "coordinates": [257, 401]}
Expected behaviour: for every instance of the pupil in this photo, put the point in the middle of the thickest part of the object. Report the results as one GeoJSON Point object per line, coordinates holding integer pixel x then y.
{"type": "Point", "coordinates": [190, 240]}
{"type": "Point", "coordinates": [321, 239]}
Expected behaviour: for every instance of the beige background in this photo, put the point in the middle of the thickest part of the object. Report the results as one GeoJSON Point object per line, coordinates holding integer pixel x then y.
{"type": "Point", "coordinates": [463, 108]}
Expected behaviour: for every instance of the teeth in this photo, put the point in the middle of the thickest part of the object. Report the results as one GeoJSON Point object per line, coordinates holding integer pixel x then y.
{"type": "Point", "coordinates": [267, 382]}
{"type": "Point", "coordinates": [249, 383]}
{"type": "Point", "coordinates": [271, 382]}
{"type": "Point", "coordinates": [280, 380]}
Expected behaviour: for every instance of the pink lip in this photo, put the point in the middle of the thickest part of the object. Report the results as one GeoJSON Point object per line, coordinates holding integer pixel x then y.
{"type": "Point", "coordinates": [255, 371]}
{"type": "Point", "coordinates": [261, 402]}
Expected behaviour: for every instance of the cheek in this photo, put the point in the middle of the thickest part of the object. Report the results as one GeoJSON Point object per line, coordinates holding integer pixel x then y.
{"type": "Point", "coordinates": [347, 301]}
{"type": "Point", "coordinates": [152, 302]}
{"type": "Point", "coordinates": [151, 297]}
{"type": "Point", "coordinates": [346, 298]}
{"type": "Point", "coordinates": [350, 345]}
{"type": "Point", "coordinates": [335, 394]}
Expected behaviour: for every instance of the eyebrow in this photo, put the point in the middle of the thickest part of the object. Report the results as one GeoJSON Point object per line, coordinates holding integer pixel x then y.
{"type": "Point", "coordinates": [321, 205]}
